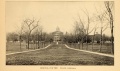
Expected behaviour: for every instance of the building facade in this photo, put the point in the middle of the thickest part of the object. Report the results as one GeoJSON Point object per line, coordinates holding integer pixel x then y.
{"type": "Point", "coordinates": [57, 35]}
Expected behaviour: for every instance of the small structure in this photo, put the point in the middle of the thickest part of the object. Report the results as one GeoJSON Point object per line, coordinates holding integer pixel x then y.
{"type": "Point", "coordinates": [57, 35]}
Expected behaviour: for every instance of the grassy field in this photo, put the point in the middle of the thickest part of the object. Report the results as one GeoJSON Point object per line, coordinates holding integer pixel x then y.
{"type": "Point", "coordinates": [58, 55]}
{"type": "Point", "coordinates": [12, 47]}
{"type": "Point", "coordinates": [106, 48]}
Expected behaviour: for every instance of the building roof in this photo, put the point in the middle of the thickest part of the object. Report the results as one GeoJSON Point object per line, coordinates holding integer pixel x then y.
{"type": "Point", "coordinates": [57, 32]}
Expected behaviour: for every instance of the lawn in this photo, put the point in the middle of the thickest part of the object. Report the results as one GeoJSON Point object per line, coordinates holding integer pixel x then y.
{"type": "Point", "coordinates": [12, 47]}
{"type": "Point", "coordinates": [106, 48]}
{"type": "Point", "coordinates": [58, 55]}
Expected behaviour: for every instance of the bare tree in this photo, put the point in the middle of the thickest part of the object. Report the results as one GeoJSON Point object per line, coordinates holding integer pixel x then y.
{"type": "Point", "coordinates": [76, 27]}
{"type": "Point", "coordinates": [102, 28]}
{"type": "Point", "coordinates": [82, 30]}
{"type": "Point", "coordinates": [87, 27]}
{"type": "Point", "coordinates": [20, 32]}
{"type": "Point", "coordinates": [20, 36]}
{"type": "Point", "coordinates": [30, 25]}
{"type": "Point", "coordinates": [93, 38]}
{"type": "Point", "coordinates": [36, 34]}
{"type": "Point", "coordinates": [86, 31]}
{"type": "Point", "coordinates": [109, 7]}
{"type": "Point", "coordinates": [39, 30]}
{"type": "Point", "coordinates": [102, 18]}
{"type": "Point", "coordinates": [77, 32]}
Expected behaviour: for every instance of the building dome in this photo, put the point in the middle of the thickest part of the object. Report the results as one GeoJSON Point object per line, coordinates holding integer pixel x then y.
{"type": "Point", "coordinates": [57, 29]}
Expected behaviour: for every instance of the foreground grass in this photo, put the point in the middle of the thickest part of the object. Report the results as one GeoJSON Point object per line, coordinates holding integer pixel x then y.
{"type": "Point", "coordinates": [106, 48]}
{"type": "Point", "coordinates": [58, 55]}
{"type": "Point", "coordinates": [12, 47]}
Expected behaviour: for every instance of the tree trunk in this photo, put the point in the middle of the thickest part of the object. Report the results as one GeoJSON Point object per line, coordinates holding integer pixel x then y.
{"type": "Point", "coordinates": [86, 42]}
{"type": "Point", "coordinates": [111, 23]}
{"type": "Point", "coordinates": [101, 41]}
{"type": "Point", "coordinates": [82, 42]}
{"type": "Point", "coordinates": [93, 42]}
{"type": "Point", "coordinates": [38, 42]}
{"type": "Point", "coordinates": [79, 45]}
{"type": "Point", "coordinates": [112, 38]}
{"type": "Point", "coordinates": [20, 42]}
{"type": "Point", "coordinates": [112, 41]}
{"type": "Point", "coordinates": [28, 43]}
{"type": "Point", "coordinates": [28, 40]}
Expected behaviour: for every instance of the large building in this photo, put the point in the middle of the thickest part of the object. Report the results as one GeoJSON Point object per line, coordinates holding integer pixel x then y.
{"type": "Point", "coordinates": [57, 35]}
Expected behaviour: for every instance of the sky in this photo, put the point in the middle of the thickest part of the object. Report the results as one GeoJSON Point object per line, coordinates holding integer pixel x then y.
{"type": "Point", "coordinates": [52, 14]}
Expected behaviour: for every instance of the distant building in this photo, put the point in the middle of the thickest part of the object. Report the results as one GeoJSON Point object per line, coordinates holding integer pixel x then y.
{"type": "Point", "coordinates": [96, 37]}
{"type": "Point", "coordinates": [57, 35]}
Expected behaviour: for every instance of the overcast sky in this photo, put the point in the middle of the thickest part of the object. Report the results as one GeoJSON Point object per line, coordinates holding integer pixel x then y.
{"type": "Point", "coordinates": [51, 14]}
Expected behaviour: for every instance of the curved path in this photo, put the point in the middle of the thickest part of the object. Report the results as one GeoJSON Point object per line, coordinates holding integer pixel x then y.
{"type": "Point", "coordinates": [58, 55]}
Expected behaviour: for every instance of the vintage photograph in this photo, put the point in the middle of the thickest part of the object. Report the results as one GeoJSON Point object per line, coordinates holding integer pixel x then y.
{"type": "Point", "coordinates": [59, 33]}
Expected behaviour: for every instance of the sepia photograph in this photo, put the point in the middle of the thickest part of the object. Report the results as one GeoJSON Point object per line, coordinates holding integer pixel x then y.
{"type": "Point", "coordinates": [66, 33]}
